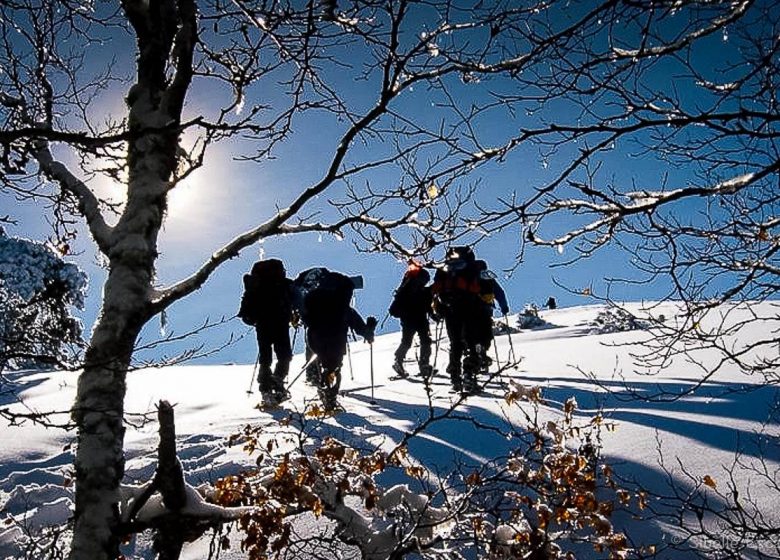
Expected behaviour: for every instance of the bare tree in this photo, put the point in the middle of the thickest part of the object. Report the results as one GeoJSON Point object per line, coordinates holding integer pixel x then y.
{"type": "Point", "coordinates": [266, 64]}
{"type": "Point", "coordinates": [664, 142]}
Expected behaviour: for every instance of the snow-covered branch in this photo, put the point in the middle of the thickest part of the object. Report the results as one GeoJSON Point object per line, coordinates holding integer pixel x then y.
{"type": "Point", "coordinates": [88, 203]}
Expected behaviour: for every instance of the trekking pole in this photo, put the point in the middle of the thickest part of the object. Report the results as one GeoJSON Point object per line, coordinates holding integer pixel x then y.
{"type": "Point", "coordinates": [495, 349]}
{"type": "Point", "coordinates": [371, 361]}
{"type": "Point", "coordinates": [306, 365]}
{"type": "Point", "coordinates": [439, 328]}
{"type": "Point", "coordinates": [498, 361]}
{"type": "Point", "coordinates": [252, 379]}
{"type": "Point", "coordinates": [349, 360]}
{"type": "Point", "coordinates": [509, 336]}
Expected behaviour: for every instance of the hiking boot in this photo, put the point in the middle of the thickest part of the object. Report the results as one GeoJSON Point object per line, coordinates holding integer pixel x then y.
{"type": "Point", "coordinates": [269, 399]}
{"type": "Point", "coordinates": [398, 367]}
{"type": "Point", "coordinates": [426, 371]}
{"type": "Point", "coordinates": [485, 361]}
{"type": "Point", "coordinates": [329, 385]}
{"type": "Point", "coordinates": [328, 397]}
{"type": "Point", "coordinates": [470, 385]}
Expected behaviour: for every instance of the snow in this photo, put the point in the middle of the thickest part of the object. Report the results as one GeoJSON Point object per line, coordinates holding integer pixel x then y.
{"type": "Point", "coordinates": [702, 430]}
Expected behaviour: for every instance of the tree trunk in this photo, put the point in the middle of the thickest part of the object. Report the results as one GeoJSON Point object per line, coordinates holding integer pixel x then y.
{"type": "Point", "coordinates": [98, 413]}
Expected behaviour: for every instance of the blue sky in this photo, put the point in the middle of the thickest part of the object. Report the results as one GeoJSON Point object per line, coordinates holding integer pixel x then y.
{"type": "Point", "coordinates": [226, 197]}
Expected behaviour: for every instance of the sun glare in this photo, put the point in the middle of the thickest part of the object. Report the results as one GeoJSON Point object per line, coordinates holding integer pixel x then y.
{"type": "Point", "coordinates": [188, 195]}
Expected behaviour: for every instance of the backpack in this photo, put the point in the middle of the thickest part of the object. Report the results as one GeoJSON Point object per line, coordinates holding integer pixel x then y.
{"type": "Point", "coordinates": [266, 292]}
{"type": "Point", "coordinates": [408, 293]}
{"type": "Point", "coordinates": [458, 281]}
{"type": "Point", "coordinates": [324, 295]}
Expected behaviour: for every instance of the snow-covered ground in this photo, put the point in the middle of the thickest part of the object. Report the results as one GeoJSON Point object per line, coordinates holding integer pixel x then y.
{"type": "Point", "coordinates": [703, 430]}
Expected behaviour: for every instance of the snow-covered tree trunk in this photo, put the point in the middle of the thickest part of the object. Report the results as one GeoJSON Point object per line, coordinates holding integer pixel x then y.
{"type": "Point", "coordinates": [166, 34]}
{"type": "Point", "coordinates": [99, 407]}
{"type": "Point", "coordinates": [98, 412]}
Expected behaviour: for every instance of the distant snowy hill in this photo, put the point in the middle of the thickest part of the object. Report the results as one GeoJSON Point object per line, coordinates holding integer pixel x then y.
{"type": "Point", "coordinates": [730, 413]}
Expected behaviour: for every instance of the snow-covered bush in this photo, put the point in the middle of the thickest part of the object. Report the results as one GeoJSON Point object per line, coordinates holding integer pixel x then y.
{"type": "Point", "coordinates": [529, 318]}
{"type": "Point", "coordinates": [616, 319]}
{"type": "Point", "coordinates": [37, 291]}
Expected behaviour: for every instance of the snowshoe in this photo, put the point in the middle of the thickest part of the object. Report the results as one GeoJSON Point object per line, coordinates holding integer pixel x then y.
{"type": "Point", "coordinates": [334, 409]}
{"type": "Point", "coordinates": [329, 399]}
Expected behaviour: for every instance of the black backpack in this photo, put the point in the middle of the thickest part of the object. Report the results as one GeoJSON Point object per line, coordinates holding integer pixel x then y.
{"type": "Point", "coordinates": [323, 296]}
{"type": "Point", "coordinates": [266, 293]}
{"type": "Point", "coordinates": [458, 281]}
{"type": "Point", "coordinates": [409, 292]}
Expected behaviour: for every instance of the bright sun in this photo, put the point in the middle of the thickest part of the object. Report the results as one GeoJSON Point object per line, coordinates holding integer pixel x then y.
{"type": "Point", "coordinates": [187, 196]}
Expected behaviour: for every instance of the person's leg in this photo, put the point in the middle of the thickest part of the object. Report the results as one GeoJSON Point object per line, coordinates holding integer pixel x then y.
{"type": "Point", "coordinates": [283, 356]}
{"type": "Point", "coordinates": [454, 325]}
{"type": "Point", "coordinates": [265, 357]}
{"type": "Point", "coordinates": [407, 336]}
{"type": "Point", "coordinates": [473, 334]}
{"type": "Point", "coordinates": [313, 369]}
{"type": "Point", "coordinates": [331, 355]}
{"type": "Point", "coordinates": [485, 337]}
{"type": "Point", "coordinates": [424, 335]}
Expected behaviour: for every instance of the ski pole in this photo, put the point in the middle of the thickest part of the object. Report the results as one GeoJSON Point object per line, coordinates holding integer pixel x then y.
{"type": "Point", "coordinates": [306, 365]}
{"type": "Point", "coordinates": [371, 361]}
{"type": "Point", "coordinates": [252, 379]}
{"type": "Point", "coordinates": [509, 336]}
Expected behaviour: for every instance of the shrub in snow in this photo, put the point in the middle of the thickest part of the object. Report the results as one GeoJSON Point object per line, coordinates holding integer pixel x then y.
{"type": "Point", "coordinates": [37, 291]}
{"type": "Point", "coordinates": [616, 319]}
{"type": "Point", "coordinates": [549, 495]}
{"type": "Point", "coordinates": [529, 318]}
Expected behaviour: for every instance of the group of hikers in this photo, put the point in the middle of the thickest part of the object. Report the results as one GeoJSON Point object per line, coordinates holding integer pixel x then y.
{"type": "Point", "coordinates": [463, 294]}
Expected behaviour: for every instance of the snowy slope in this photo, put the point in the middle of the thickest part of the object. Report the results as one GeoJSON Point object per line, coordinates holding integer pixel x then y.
{"type": "Point", "coordinates": [703, 430]}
